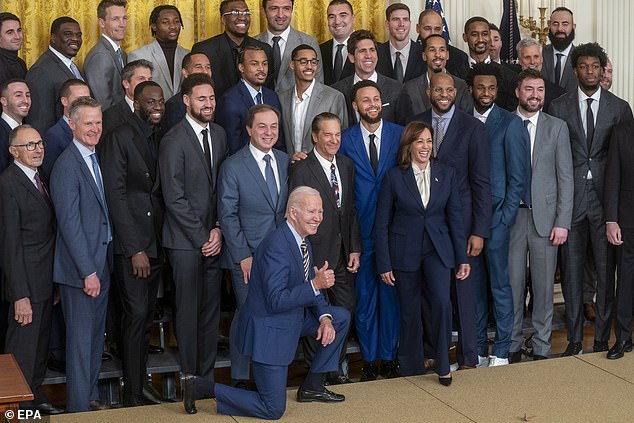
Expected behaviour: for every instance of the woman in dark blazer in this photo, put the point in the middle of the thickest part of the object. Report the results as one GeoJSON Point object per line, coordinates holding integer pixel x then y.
{"type": "Point", "coordinates": [419, 238]}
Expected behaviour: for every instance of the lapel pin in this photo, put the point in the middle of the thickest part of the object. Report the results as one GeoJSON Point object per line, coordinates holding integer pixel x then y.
{"type": "Point", "coordinates": [436, 179]}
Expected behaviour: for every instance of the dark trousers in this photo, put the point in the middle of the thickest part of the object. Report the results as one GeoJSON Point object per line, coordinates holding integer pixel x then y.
{"type": "Point", "coordinates": [239, 362]}
{"type": "Point", "coordinates": [269, 402]}
{"type": "Point", "coordinates": [137, 298]}
{"type": "Point", "coordinates": [625, 287]}
{"type": "Point", "coordinates": [197, 310]}
{"type": "Point", "coordinates": [29, 345]}
{"type": "Point", "coordinates": [57, 343]}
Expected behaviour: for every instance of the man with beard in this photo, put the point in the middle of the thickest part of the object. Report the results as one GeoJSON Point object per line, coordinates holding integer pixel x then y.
{"type": "Point", "coordinates": [460, 140]}
{"type": "Point", "coordinates": [51, 70]}
{"type": "Point", "coordinates": [129, 176]}
{"type": "Point", "coordinates": [236, 102]}
{"type": "Point", "coordinates": [15, 99]}
{"type": "Point", "coordinates": [337, 64]}
{"type": "Point", "coordinates": [372, 144]}
{"type": "Point", "coordinates": [558, 68]}
{"type": "Point", "coordinates": [509, 149]}
{"type": "Point", "coordinates": [11, 37]}
{"type": "Point", "coordinates": [606, 80]}
{"type": "Point", "coordinates": [414, 99]}
{"type": "Point", "coordinates": [164, 52]}
{"type": "Point", "coordinates": [189, 158]}
{"type": "Point", "coordinates": [590, 112]}
{"type": "Point", "coordinates": [543, 219]}
{"type": "Point", "coordinates": [223, 49]}
{"type": "Point", "coordinates": [430, 22]}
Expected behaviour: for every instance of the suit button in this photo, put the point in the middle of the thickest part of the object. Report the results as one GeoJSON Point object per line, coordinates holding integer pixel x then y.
{"type": "Point", "coordinates": [105, 223]}
{"type": "Point", "coordinates": [149, 213]}
{"type": "Point", "coordinates": [104, 243]}
{"type": "Point", "coordinates": [147, 175]}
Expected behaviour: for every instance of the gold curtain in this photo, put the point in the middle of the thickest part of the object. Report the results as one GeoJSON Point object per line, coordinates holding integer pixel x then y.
{"type": "Point", "coordinates": [201, 19]}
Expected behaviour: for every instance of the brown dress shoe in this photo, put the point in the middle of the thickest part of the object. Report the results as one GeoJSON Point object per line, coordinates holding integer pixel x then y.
{"type": "Point", "coordinates": [589, 312]}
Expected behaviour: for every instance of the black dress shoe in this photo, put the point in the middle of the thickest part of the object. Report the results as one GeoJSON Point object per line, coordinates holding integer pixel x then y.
{"type": "Point", "coordinates": [56, 365]}
{"type": "Point", "coordinates": [618, 350]}
{"type": "Point", "coordinates": [537, 357]}
{"type": "Point", "coordinates": [130, 400]}
{"type": "Point", "coordinates": [573, 348]}
{"type": "Point", "coordinates": [445, 381]}
{"type": "Point", "coordinates": [151, 394]}
{"type": "Point", "coordinates": [97, 405]}
{"type": "Point", "coordinates": [106, 356]}
{"type": "Point", "coordinates": [304, 395]}
{"type": "Point", "coordinates": [389, 369]}
{"type": "Point", "coordinates": [155, 349]}
{"type": "Point", "coordinates": [369, 371]}
{"type": "Point", "coordinates": [600, 346]}
{"type": "Point", "coordinates": [49, 409]}
{"type": "Point", "coordinates": [515, 357]}
{"type": "Point", "coordinates": [188, 383]}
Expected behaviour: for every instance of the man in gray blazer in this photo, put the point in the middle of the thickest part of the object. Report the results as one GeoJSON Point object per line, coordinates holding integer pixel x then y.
{"type": "Point", "coordinates": [189, 157]}
{"type": "Point", "coordinates": [590, 112]}
{"type": "Point", "coordinates": [315, 98]}
{"type": "Point", "coordinates": [283, 39]}
{"type": "Point", "coordinates": [164, 52]}
{"type": "Point", "coordinates": [252, 194]}
{"type": "Point", "coordinates": [106, 59]}
{"type": "Point", "coordinates": [54, 67]}
{"type": "Point", "coordinates": [413, 98]}
{"type": "Point", "coordinates": [557, 67]}
{"type": "Point", "coordinates": [544, 217]}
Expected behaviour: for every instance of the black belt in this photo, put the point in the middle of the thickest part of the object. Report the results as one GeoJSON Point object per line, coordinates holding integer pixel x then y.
{"type": "Point", "coordinates": [525, 206]}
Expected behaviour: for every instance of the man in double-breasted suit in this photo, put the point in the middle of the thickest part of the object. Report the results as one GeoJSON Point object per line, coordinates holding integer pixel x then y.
{"type": "Point", "coordinates": [252, 194]}
{"type": "Point", "coordinates": [590, 112]}
{"type": "Point", "coordinates": [83, 255]}
{"type": "Point", "coordinates": [27, 238]}
{"type": "Point", "coordinates": [543, 219]}
{"type": "Point", "coordinates": [189, 158]}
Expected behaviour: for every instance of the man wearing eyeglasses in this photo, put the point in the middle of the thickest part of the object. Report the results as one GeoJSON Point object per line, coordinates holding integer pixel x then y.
{"type": "Point", "coordinates": [306, 99]}
{"type": "Point", "coordinates": [15, 98]}
{"type": "Point", "coordinates": [27, 236]}
{"type": "Point", "coordinates": [283, 39]}
{"type": "Point", "coordinates": [223, 49]}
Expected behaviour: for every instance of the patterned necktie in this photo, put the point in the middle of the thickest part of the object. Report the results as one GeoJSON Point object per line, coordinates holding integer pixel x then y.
{"type": "Point", "coordinates": [558, 68]}
{"type": "Point", "coordinates": [99, 181]}
{"type": "Point", "coordinates": [206, 150]}
{"type": "Point", "coordinates": [338, 68]}
{"type": "Point", "coordinates": [270, 178]}
{"type": "Point", "coordinates": [75, 70]}
{"type": "Point", "coordinates": [374, 156]}
{"type": "Point", "coordinates": [439, 134]}
{"type": "Point", "coordinates": [589, 123]}
{"type": "Point", "coordinates": [120, 56]}
{"type": "Point", "coordinates": [277, 56]}
{"type": "Point", "coordinates": [398, 67]}
{"type": "Point", "coordinates": [305, 259]}
{"type": "Point", "coordinates": [42, 190]}
{"type": "Point", "coordinates": [335, 184]}
{"type": "Point", "coordinates": [258, 98]}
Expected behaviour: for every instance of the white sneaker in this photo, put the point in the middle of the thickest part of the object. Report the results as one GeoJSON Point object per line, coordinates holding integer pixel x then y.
{"type": "Point", "coordinates": [496, 361]}
{"type": "Point", "coordinates": [453, 367]}
{"type": "Point", "coordinates": [483, 361]}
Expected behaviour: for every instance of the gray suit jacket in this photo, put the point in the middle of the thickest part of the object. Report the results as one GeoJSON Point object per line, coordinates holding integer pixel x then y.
{"type": "Point", "coordinates": [612, 111]}
{"type": "Point", "coordinates": [551, 181]}
{"type": "Point", "coordinates": [286, 78]}
{"type": "Point", "coordinates": [323, 99]}
{"type": "Point", "coordinates": [568, 79]}
{"type": "Point", "coordinates": [246, 211]}
{"type": "Point", "coordinates": [103, 73]}
{"type": "Point", "coordinates": [161, 73]}
{"type": "Point", "coordinates": [413, 98]}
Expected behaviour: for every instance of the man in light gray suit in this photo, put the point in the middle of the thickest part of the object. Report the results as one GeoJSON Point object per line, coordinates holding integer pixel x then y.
{"type": "Point", "coordinates": [283, 39]}
{"type": "Point", "coordinates": [544, 217]}
{"type": "Point", "coordinates": [164, 52]}
{"type": "Point", "coordinates": [590, 112]}
{"type": "Point", "coordinates": [252, 194]}
{"type": "Point", "coordinates": [306, 99]}
{"type": "Point", "coordinates": [106, 59]}
{"type": "Point", "coordinates": [557, 67]}
{"type": "Point", "coordinates": [414, 99]}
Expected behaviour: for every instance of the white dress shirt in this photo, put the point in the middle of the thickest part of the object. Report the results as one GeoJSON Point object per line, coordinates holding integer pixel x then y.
{"type": "Point", "coordinates": [344, 51]}
{"type": "Point", "coordinates": [30, 173]}
{"type": "Point", "coordinates": [532, 127]}
{"type": "Point", "coordinates": [9, 120]}
{"type": "Point", "coordinates": [366, 139]}
{"type": "Point", "coordinates": [198, 131]}
{"type": "Point", "coordinates": [282, 41]}
{"type": "Point", "coordinates": [404, 54]}
{"type": "Point", "coordinates": [325, 165]}
{"type": "Point", "coordinates": [300, 108]}
{"type": "Point", "coordinates": [258, 155]}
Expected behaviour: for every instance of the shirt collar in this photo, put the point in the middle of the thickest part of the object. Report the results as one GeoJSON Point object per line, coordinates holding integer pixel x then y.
{"type": "Point", "coordinates": [404, 51]}
{"type": "Point", "coordinates": [252, 91]}
{"type": "Point", "coordinates": [298, 239]}
{"type": "Point", "coordinates": [30, 173]}
{"type": "Point", "coordinates": [258, 154]}
{"type": "Point", "coordinates": [65, 60]}
{"type": "Point", "coordinates": [583, 97]}
{"type": "Point", "coordinates": [472, 60]}
{"type": "Point", "coordinates": [419, 171]}
{"type": "Point", "coordinates": [307, 93]}
{"type": "Point", "coordinates": [533, 118]}
{"type": "Point", "coordinates": [446, 117]}
{"type": "Point", "coordinates": [323, 161]}
{"type": "Point", "coordinates": [83, 150]}
{"type": "Point", "coordinates": [10, 121]}
{"type": "Point", "coordinates": [366, 133]}
{"type": "Point", "coordinates": [565, 51]}
{"type": "Point", "coordinates": [195, 125]}
{"type": "Point", "coordinates": [372, 77]}
{"type": "Point", "coordinates": [283, 35]}
{"type": "Point", "coordinates": [484, 115]}
{"type": "Point", "coordinates": [114, 45]}
{"type": "Point", "coordinates": [130, 103]}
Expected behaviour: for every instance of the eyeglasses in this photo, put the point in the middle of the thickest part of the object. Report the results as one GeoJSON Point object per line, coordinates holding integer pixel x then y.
{"type": "Point", "coordinates": [30, 146]}
{"type": "Point", "coordinates": [236, 13]}
{"type": "Point", "coordinates": [439, 90]}
{"type": "Point", "coordinates": [303, 61]}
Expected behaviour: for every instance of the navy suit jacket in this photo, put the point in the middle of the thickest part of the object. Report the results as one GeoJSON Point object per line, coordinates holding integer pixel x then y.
{"type": "Point", "coordinates": [466, 148]}
{"type": "Point", "coordinates": [367, 185]}
{"type": "Point", "coordinates": [5, 157]}
{"type": "Point", "coordinates": [402, 220]}
{"type": "Point", "coordinates": [175, 111]}
{"type": "Point", "coordinates": [81, 248]}
{"type": "Point", "coordinates": [57, 139]}
{"type": "Point", "coordinates": [272, 317]}
{"type": "Point", "coordinates": [231, 114]}
{"type": "Point", "coordinates": [246, 210]}
{"type": "Point", "coordinates": [509, 145]}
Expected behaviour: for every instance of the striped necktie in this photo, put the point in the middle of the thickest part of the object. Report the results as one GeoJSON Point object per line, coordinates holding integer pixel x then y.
{"type": "Point", "coordinates": [305, 259]}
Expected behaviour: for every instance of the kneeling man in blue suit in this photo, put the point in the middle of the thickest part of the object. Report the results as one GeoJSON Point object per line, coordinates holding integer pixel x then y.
{"type": "Point", "coordinates": [284, 303]}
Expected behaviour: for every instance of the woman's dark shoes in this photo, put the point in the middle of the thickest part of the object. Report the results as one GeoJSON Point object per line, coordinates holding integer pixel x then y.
{"type": "Point", "coordinates": [445, 380]}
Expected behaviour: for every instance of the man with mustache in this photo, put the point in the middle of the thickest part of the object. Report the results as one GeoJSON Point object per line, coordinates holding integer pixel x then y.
{"type": "Point", "coordinates": [54, 67]}
{"type": "Point", "coordinates": [430, 22]}
{"type": "Point", "coordinates": [561, 33]}
{"type": "Point", "coordinates": [15, 98]}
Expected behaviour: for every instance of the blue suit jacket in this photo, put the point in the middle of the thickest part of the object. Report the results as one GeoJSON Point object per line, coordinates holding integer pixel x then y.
{"type": "Point", "coordinates": [272, 317]}
{"type": "Point", "coordinates": [5, 157]}
{"type": "Point", "coordinates": [465, 147]}
{"type": "Point", "coordinates": [81, 248]}
{"type": "Point", "coordinates": [367, 184]}
{"type": "Point", "coordinates": [509, 145]}
{"type": "Point", "coordinates": [246, 210]}
{"type": "Point", "coordinates": [402, 220]}
{"type": "Point", "coordinates": [231, 114]}
{"type": "Point", "coordinates": [57, 139]}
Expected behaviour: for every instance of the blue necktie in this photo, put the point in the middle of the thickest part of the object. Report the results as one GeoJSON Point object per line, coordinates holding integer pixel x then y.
{"type": "Point", "coordinates": [305, 259]}
{"type": "Point", "coordinates": [270, 178]}
{"type": "Point", "coordinates": [527, 197]}
{"type": "Point", "coordinates": [258, 98]}
{"type": "Point", "coordinates": [95, 169]}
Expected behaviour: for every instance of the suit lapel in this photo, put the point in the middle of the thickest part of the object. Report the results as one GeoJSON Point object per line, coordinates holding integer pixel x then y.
{"type": "Point", "coordinates": [113, 53]}
{"type": "Point", "coordinates": [313, 102]}
{"type": "Point", "coordinates": [254, 170]}
{"type": "Point", "coordinates": [359, 146]}
{"type": "Point", "coordinates": [161, 62]}
{"type": "Point", "coordinates": [193, 139]}
{"type": "Point", "coordinates": [90, 179]}
{"type": "Point", "coordinates": [291, 42]}
{"type": "Point", "coordinates": [320, 177]}
{"type": "Point", "coordinates": [387, 148]}
{"type": "Point", "coordinates": [409, 181]}
{"type": "Point", "coordinates": [60, 64]}
{"type": "Point", "coordinates": [294, 249]}
{"type": "Point", "coordinates": [28, 185]}
{"type": "Point", "coordinates": [578, 124]}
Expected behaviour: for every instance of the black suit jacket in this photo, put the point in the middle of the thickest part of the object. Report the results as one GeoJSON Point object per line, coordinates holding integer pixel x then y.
{"type": "Point", "coordinates": [225, 68]}
{"type": "Point", "coordinates": [506, 98]}
{"type": "Point", "coordinates": [415, 64]}
{"type": "Point", "coordinates": [340, 227]}
{"type": "Point", "coordinates": [328, 65]}
{"type": "Point", "coordinates": [175, 111]}
{"type": "Point", "coordinates": [619, 177]}
{"type": "Point", "coordinates": [27, 238]}
{"type": "Point", "coordinates": [5, 158]}
{"type": "Point", "coordinates": [45, 78]}
{"type": "Point", "coordinates": [114, 117]}
{"type": "Point", "coordinates": [390, 90]}
{"type": "Point", "coordinates": [458, 59]}
{"type": "Point", "coordinates": [129, 167]}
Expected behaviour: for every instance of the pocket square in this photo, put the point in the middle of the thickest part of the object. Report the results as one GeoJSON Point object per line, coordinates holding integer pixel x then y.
{"type": "Point", "coordinates": [386, 104]}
